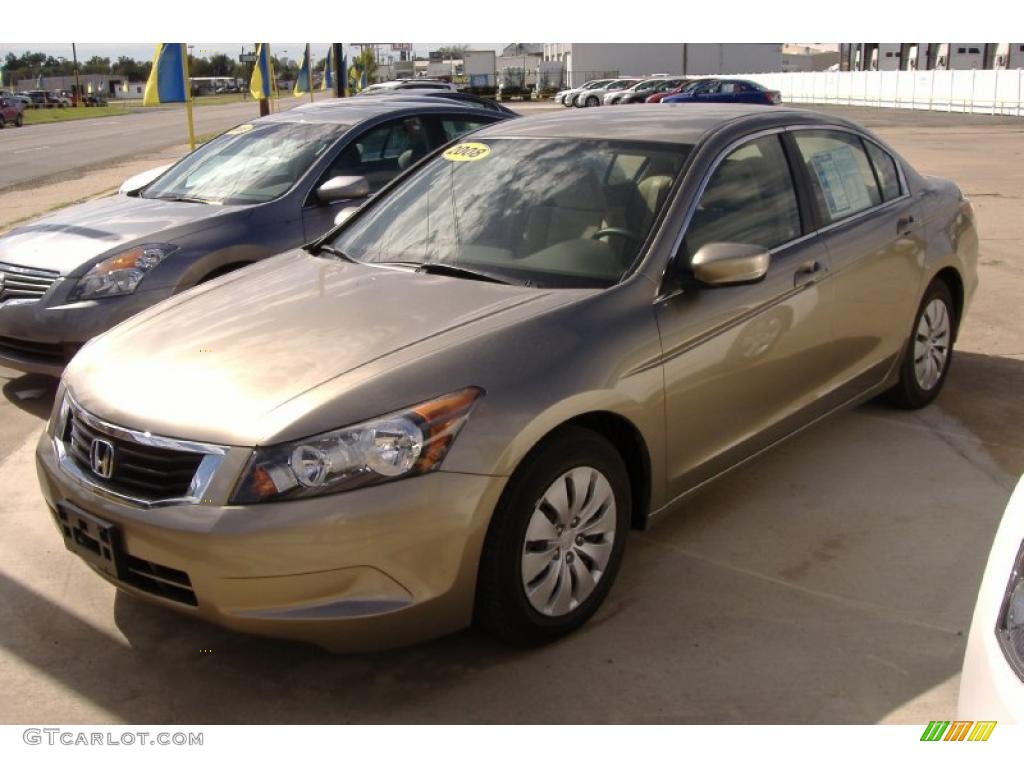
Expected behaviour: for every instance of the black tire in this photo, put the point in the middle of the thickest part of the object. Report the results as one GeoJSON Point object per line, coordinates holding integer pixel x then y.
{"type": "Point", "coordinates": [3, 123]}
{"type": "Point", "coordinates": [502, 606]}
{"type": "Point", "coordinates": [19, 120]}
{"type": "Point", "coordinates": [592, 101]}
{"type": "Point", "coordinates": [908, 393]}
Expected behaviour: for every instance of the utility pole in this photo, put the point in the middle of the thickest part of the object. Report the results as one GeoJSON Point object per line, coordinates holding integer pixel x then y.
{"type": "Point", "coordinates": [78, 85]}
{"type": "Point", "coordinates": [340, 71]}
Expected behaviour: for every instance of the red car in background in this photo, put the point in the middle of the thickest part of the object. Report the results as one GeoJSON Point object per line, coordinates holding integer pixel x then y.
{"type": "Point", "coordinates": [655, 98]}
{"type": "Point", "coordinates": [10, 112]}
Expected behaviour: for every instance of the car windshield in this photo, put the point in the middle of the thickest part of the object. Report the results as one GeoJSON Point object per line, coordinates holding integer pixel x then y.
{"type": "Point", "coordinates": [554, 213]}
{"type": "Point", "coordinates": [252, 163]}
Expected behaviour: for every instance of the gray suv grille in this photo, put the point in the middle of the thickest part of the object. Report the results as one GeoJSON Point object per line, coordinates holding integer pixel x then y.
{"type": "Point", "coordinates": [24, 283]}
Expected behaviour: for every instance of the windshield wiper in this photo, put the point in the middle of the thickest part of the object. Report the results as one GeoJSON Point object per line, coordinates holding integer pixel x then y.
{"type": "Point", "coordinates": [333, 251]}
{"type": "Point", "coordinates": [184, 199]}
{"type": "Point", "coordinates": [442, 268]}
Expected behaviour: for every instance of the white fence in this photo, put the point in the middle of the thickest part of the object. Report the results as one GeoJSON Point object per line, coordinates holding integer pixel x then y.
{"type": "Point", "coordinates": [980, 91]}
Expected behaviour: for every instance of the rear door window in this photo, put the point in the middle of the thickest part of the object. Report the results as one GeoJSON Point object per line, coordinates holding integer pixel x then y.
{"type": "Point", "coordinates": [841, 174]}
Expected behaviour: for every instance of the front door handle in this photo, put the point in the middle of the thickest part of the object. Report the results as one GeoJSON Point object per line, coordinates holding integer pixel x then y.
{"type": "Point", "coordinates": [904, 224]}
{"type": "Point", "coordinates": [808, 272]}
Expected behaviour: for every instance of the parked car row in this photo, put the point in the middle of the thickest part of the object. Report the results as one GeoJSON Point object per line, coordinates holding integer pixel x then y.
{"type": "Point", "coordinates": [504, 343]}
{"type": "Point", "coordinates": [666, 89]}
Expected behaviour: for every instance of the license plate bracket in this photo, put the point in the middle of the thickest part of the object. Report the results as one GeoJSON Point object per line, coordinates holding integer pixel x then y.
{"type": "Point", "coordinates": [94, 540]}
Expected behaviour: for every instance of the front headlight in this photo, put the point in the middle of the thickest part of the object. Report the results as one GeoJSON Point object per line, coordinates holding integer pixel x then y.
{"type": "Point", "coordinates": [1010, 628]}
{"type": "Point", "coordinates": [401, 444]}
{"type": "Point", "coordinates": [121, 273]}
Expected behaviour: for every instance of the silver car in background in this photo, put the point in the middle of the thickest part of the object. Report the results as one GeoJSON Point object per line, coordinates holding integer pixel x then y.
{"type": "Point", "coordinates": [258, 189]}
{"type": "Point", "coordinates": [566, 97]}
{"type": "Point", "coordinates": [594, 97]}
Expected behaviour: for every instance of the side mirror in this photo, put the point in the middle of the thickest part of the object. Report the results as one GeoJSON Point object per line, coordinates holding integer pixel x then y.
{"type": "Point", "coordinates": [343, 188]}
{"type": "Point", "coordinates": [139, 180]}
{"type": "Point", "coordinates": [730, 263]}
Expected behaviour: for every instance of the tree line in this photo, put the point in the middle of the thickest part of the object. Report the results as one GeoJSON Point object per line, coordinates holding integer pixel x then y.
{"type": "Point", "coordinates": [30, 65]}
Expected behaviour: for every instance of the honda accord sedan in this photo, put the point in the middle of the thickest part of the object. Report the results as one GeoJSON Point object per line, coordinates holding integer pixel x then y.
{"type": "Point", "coordinates": [453, 407]}
{"type": "Point", "coordinates": [256, 190]}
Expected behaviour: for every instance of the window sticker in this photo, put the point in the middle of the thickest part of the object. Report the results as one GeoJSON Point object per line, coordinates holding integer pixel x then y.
{"type": "Point", "coordinates": [467, 153]}
{"type": "Point", "coordinates": [841, 181]}
{"type": "Point", "coordinates": [240, 129]}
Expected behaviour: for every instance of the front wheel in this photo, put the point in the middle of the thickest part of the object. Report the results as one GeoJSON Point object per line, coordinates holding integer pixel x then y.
{"type": "Point", "coordinates": [929, 351]}
{"type": "Point", "coordinates": [556, 540]}
{"type": "Point", "coordinates": [18, 121]}
{"type": "Point", "coordinates": [592, 101]}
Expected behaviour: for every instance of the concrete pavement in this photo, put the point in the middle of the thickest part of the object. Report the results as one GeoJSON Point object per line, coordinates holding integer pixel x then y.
{"type": "Point", "coordinates": [831, 581]}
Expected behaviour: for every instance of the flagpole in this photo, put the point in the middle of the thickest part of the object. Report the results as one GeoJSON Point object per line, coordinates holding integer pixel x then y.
{"type": "Point", "coordinates": [188, 96]}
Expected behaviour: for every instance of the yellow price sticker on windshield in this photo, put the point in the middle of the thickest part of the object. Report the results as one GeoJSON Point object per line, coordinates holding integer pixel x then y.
{"type": "Point", "coordinates": [467, 153]}
{"type": "Point", "coordinates": [244, 128]}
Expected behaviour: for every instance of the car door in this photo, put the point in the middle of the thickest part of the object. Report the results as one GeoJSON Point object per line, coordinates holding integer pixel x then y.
{"type": "Point", "coordinates": [872, 231]}
{"type": "Point", "coordinates": [744, 364]}
{"type": "Point", "coordinates": [379, 154]}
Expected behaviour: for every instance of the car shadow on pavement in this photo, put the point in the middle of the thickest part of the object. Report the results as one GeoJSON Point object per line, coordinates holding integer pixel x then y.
{"type": "Point", "coordinates": [830, 581]}
{"type": "Point", "coordinates": [31, 393]}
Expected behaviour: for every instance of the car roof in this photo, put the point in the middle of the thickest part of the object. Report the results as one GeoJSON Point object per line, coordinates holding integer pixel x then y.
{"type": "Point", "coordinates": [349, 111]}
{"type": "Point", "coordinates": [666, 123]}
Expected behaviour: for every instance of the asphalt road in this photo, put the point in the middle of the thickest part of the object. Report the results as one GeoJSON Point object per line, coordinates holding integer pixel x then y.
{"type": "Point", "coordinates": [35, 153]}
{"type": "Point", "coordinates": [831, 581]}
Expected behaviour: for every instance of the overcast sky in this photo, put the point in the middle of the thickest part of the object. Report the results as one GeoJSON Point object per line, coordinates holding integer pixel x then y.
{"type": "Point", "coordinates": [144, 51]}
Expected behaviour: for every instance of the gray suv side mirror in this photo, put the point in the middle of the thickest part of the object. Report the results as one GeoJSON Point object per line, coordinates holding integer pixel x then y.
{"type": "Point", "coordinates": [343, 188]}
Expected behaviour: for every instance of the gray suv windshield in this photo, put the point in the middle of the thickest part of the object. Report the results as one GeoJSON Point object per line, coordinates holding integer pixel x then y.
{"type": "Point", "coordinates": [252, 163]}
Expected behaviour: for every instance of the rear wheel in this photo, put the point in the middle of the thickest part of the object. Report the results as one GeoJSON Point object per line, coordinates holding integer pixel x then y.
{"type": "Point", "coordinates": [556, 540]}
{"type": "Point", "coordinates": [3, 123]}
{"type": "Point", "coordinates": [929, 352]}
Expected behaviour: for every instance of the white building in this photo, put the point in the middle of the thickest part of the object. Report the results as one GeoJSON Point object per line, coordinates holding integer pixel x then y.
{"type": "Point", "coordinates": [585, 61]}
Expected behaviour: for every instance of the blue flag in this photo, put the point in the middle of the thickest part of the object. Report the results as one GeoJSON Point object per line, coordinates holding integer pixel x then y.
{"type": "Point", "coordinates": [166, 82]}
{"type": "Point", "coordinates": [304, 80]}
{"type": "Point", "coordinates": [262, 82]}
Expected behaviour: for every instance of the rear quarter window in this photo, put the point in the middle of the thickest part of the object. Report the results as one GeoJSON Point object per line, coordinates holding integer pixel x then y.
{"type": "Point", "coordinates": [885, 168]}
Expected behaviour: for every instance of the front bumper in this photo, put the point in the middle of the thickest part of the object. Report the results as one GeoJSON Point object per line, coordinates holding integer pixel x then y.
{"type": "Point", "coordinates": [362, 570]}
{"type": "Point", "coordinates": [41, 336]}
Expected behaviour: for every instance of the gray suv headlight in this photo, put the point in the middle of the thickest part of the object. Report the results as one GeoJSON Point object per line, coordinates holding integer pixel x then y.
{"type": "Point", "coordinates": [401, 444]}
{"type": "Point", "coordinates": [121, 273]}
{"type": "Point", "coordinates": [1010, 628]}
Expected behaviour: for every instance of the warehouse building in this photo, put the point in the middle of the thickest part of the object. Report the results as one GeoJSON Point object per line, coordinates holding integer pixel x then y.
{"type": "Point", "coordinates": [854, 57]}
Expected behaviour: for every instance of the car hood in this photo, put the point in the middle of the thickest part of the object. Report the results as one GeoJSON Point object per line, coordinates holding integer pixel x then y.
{"type": "Point", "coordinates": [220, 362]}
{"type": "Point", "coordinates": [72, 237]}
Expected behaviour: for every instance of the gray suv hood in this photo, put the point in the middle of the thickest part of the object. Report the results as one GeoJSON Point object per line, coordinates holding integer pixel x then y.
{"type": "Point", "coordinates": [70, 238]}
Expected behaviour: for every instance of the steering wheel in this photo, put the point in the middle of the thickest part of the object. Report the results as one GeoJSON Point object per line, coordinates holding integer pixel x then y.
{"type": "Point", "coordinates": [620, 231]}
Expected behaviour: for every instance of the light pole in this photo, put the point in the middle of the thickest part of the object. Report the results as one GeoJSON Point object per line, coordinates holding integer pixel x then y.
{"type": "Point", "coordinates": [78, 85]}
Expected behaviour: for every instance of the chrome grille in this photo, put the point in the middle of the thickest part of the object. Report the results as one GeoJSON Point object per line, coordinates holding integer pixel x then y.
{"type": "Point", "coordinates": [135, 466]}
{"type": "Point", "coordinates": [24, 283]}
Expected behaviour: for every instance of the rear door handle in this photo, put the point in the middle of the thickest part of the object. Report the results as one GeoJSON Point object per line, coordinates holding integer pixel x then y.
{"type": "Point", "coordinates": [904, 224]}
{"type": "Point", "coordinates": [808, 272]}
